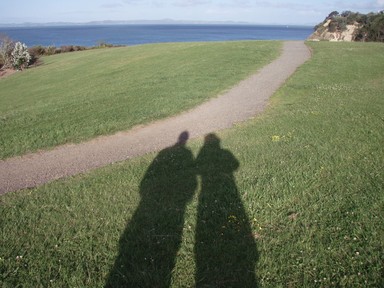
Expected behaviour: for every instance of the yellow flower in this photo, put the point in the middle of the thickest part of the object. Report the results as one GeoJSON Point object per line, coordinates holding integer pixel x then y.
{"type": "Point", "coordinates": [275, 138]}
{"type": "Point", "coordinates": [232, 218]}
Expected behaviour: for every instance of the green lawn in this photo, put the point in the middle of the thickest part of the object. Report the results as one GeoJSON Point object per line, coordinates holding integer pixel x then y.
{"type": "Point", "coordinates": [77, 96]}
{"type": "Point", "coordinates": [303, 209]}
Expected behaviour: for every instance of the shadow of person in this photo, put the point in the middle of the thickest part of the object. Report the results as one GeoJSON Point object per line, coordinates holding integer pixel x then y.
{"type": "Point", "coordinates": [149, 244]}
{"type": "Point", "coordinates": [225, 249]}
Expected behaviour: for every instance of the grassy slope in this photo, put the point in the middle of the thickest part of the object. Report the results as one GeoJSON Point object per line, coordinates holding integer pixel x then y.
{"type": "Point", "coordinates": [310, 179]}
{"type": "Point", "coordinates": [77, 96]}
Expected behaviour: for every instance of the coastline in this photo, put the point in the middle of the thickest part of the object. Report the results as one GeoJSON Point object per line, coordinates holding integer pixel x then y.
{"type": "Point", "coordinates": [136, 34]}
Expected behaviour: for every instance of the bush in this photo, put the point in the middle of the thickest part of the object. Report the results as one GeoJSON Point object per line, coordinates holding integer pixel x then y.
{"type": "Point", "coordinates": [72, 48]}
{"type": "Point", "coordinates": [333, 26]}
{"type": "Point", "coordinates": [35, 52]}
{"type": "Point", "coordinates": [50, 50]}
{"type": "Point", "coordinates": [103, 44]}
{"type": "Point", "coordinates": [65, 49]}
{"type": "Point", "coordinates": [6, 47]}
{"type": "Point", "coordinates": [341, 23]}
{"type": "Point", "coordinates": [20, 56]}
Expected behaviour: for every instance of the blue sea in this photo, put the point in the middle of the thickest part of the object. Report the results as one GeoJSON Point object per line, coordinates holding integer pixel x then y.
{"type": "Point", "coordinates": [91, 35]}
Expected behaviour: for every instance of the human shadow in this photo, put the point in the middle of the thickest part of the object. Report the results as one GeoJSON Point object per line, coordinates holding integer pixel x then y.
{"type": "Point", "coordinates": [149, 244]}
{"type": "Point", "coordinates": [225, 250]}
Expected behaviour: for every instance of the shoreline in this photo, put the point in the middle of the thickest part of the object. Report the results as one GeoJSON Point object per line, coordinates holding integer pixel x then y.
{"type": "Point", "coordinates": [128, 35]}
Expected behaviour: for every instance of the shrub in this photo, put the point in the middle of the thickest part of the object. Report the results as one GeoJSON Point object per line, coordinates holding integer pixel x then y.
{"type": "Point", "coordinates": [103, 44]}
{"type": "Point", "coordinates": [20, 56]}
{"type": "Point", "coordinates": [6, 47]}
{"type": "Point", "coordinates": [333, 26]}
{"type": "Point", "coordinates": [65, 49]}
{"type": "Point", "coordinates": [50, 50]}
{"type": "Point", "coordinates": [80, 48]}
{"type": "Point", "coordinates": [35, 52]}
{"type": "Point", "coordinates": [341, 23]}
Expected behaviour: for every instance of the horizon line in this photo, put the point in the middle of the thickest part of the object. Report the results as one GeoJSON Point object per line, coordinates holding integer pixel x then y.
{"type": "Point", "coordinates": [148, 22]}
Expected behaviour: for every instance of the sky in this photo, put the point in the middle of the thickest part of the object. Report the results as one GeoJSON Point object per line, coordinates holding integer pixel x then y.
{"type": "Point", "coordinates": [285, 12]}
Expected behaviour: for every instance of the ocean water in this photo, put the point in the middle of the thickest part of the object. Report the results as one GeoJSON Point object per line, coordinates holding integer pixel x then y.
{"type": "Point", "coordinates": [143, 34]}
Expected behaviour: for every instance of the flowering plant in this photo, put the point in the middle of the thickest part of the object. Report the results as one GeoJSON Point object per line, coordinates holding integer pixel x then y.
{"type": "Point", "coordinates": [20, 56]}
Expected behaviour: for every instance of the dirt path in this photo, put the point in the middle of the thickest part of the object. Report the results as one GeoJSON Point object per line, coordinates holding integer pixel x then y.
{"type": "Point", "coordinates": [243, 101]}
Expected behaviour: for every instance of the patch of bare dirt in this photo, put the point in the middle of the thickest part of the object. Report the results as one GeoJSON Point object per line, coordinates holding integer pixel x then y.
{"type": "Point", "coordinates": [6, 72]}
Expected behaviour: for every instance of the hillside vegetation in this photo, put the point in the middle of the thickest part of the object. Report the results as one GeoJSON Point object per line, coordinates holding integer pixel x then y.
{"type": "Point", "coordinates": [351, 26]}
{"type": "Point", "coordinates": [77, 96]}
{"type": "Point", "coordinates": [309, 188]}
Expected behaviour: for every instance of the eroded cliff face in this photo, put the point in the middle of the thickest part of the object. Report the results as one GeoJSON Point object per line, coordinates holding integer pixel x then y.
{"type": "Point", "coordinates": [325, 32]}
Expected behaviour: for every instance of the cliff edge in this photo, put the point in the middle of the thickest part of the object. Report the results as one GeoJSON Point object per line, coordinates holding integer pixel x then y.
{"type": "Point", "coordinates": [350, 26]}
{"type": "Point", "coordinates": [326, 33]}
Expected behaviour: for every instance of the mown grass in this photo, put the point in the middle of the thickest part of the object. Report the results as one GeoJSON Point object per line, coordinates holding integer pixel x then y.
{"type": "Point", "coordinates": [77, 96]}
{"type": "Point", "coordinates": [309, 189]}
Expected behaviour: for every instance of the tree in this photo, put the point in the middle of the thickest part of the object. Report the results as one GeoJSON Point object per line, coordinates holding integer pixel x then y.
{"type": "Point", "coordinates": [372, 28]}
{"type": "Point", "coordinates": [346, 13]}
{"type": "Point", "coordinates": [376, 29]}
{"type": "Point", "coordinates": [20, 56]}
{"type": "Point", "coordinates": [333, 14]}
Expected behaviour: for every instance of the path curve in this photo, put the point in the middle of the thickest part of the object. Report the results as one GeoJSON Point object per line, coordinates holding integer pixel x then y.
{"type": "Point", "coordinates": [240, 103]}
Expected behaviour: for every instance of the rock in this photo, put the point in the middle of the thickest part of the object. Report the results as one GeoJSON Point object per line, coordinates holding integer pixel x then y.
{"type": "Point", "coordinates": [326, 24]}
{"type": "Point", "coordinates": [322, 34]}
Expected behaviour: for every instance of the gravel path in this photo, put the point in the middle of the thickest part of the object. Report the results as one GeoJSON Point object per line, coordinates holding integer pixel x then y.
{"type": "Point", "coordinates": [240, 103]}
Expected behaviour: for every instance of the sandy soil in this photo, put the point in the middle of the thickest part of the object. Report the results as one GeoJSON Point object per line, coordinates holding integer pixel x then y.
{"type": "Point", "coordinates": [240, 103]}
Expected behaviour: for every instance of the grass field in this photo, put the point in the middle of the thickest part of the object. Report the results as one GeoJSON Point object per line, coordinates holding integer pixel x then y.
{"type": "Point", "coordinates": [77, 96]}
{"type": "Point", "coordinates": [293, 198]}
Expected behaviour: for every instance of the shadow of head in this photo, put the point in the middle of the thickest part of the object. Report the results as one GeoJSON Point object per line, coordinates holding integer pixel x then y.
{"type": "Point", "coordinates": [183, 138]}
{"type": "Point", "coordinates": [212, 140]}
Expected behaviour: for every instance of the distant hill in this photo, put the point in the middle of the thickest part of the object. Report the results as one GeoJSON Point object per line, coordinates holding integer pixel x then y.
{"type": "Point", "coordinates": [123, 22]}
{"type": "Point", "coordinates": [350, 26]}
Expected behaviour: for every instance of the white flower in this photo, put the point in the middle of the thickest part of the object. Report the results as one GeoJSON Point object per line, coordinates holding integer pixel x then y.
{"type": "Point", "coordinates": [20, 56]}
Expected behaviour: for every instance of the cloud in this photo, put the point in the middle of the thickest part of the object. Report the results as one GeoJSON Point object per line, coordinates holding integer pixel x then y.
{"type": "Point", "coordinates": [112, 5]}
{"type": "Point", "coordinates": [359, 6]}
{"type": "Point", "coordinates": [135, 2]}
{"type": "Point", "coordinates": [300, 6]}
{"type": "Point", "coordinates": [291, 5]}
{"type": "Point", "coordinates": [154, 3]}
{"type": "Point", "coordinates": [189, 3]}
